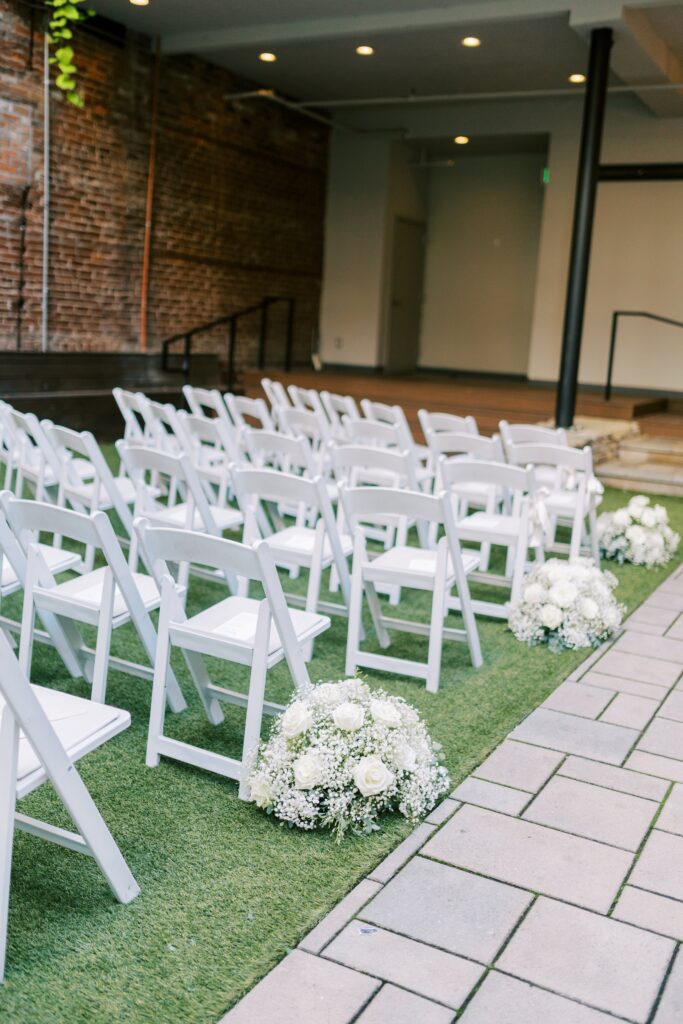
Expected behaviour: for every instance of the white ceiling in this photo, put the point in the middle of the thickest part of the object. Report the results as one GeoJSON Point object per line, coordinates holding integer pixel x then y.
{"type": "Point", "coordinates": [526, 44]}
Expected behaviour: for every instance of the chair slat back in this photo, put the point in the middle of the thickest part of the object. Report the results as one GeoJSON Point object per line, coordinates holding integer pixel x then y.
{"type": "Point", "coordinates": [438, 421]}
{"type": "Point", "coordinates": [531, 433]}
{"type": "Point", "coordinates": [163, 545]}
{"type": "Point", "coordinates": [454, 443]}
{"type": "Point", "coordinates": [573, 459]}
{"type": "Point", "coordinates": [267, 448]}
{"type": "Point", "coordinates": [500, 474]}
{"type": "Point", "coordinates": [247, 412]}
{"type": "Point", "coordinates": [389, 505]}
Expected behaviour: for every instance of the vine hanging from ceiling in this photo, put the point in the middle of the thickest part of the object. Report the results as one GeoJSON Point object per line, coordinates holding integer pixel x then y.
{"type": "Point", "coordinates": [63, 16]}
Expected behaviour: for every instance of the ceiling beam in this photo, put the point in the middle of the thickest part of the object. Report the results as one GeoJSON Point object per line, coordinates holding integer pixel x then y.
{"type": "Point", "coordinates": [655, 63]}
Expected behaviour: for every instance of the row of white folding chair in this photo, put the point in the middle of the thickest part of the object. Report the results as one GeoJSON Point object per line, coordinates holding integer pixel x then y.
{"type": "Point", "coordinates": [42, 733]}
{"type": "Point", "coordinates": [29, 455]}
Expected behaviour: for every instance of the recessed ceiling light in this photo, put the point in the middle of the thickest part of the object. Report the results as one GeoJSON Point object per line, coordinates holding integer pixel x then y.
{"type": "Point", "coordinates": [471, 41]}
{"type": "Point", "coordinates": [461, 140]}
{"type": "Point", "coordinates": [268, 58]}
{"type": "Point", "coordinates": [365, 51]}
{"type": "Point", "coordinates": [577, 78]}
{"type": "Point", "coordinates": [139, 3]}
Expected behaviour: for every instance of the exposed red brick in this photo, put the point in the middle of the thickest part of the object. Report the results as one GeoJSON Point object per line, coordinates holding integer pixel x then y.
{"type": "Point", "coordinates": [238, 211]}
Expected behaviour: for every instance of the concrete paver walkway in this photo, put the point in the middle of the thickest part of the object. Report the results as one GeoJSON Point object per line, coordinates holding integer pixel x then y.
{"type": "Point", "coordinates": [548, 889]}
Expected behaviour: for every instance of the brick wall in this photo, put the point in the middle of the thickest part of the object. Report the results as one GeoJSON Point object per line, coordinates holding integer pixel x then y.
{"type": "Point", "coordinates": [239, 198]}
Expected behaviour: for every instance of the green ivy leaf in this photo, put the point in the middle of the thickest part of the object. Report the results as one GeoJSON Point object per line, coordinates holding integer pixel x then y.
{"type": "Point", "coordinates": [64, 54]}
{"type": "Point", "coordinates": [73, 97]}
{"type": "Point", "coordinates": [65, 82]}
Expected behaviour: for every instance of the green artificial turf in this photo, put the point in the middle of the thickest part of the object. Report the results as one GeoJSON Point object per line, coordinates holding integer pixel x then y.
{"type": "Point", "coordinates": [226, 890]}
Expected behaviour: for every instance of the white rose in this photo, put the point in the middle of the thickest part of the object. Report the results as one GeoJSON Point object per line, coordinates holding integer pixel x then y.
{"type": "Point", "coordinates": [405, 758]}
{"type": "Point", "coordinates": [261, 793]}
{"type": "Point", "coordinates": [621, 518]}
{"type": "Point", "coordinates": [555, 570]}
{"type": "Point", "coordinates": [661, 515]}
{"type": "Point", "coordinates": [589, 608]}
{"type": "Point", "coordinates": [327, 693]}
{"type": "Point", "coordinates": [551, 616]}
{"type": "Point", "coordinates": [348, 716]}
{"type": "Point", "coordinates": [648, 518]}
{"type": "Point", "coordinates": [534, 593]}
{"type": "Point", "coordinates": [563, 594]}
{"type": "Point", "coordinates": [639, 501]}
{"type": "Point", "coordinates": [296, 719]}
{"type": "Point", "coordinates": [308, 771]}
{"type": "Point", "coordinates": [385, 713]}
{"type": "Point", "coordinates": [635, 535]}
{"type": "Point", "coordinates": [372, 776]}
{"type": "Point", "coordinates": [356, 687]}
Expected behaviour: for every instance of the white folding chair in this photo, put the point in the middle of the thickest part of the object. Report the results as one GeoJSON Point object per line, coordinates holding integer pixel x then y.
{"type": "Point", "coordinates": [261, 492]}
{"type": "Point", "coordinates": [277, 396]}
{"type": "Point", "coordinates": [517, 526]}
{"type": "Point", "coordinates": [248, 412]}
{"type": "Point", "coordinates": [311, 425]}
{"type": "Point", "coordinates": [42, 734]}
{"type": "Point", "coordinates": [437, 570]}
{"type": "Point", "coordinates": [13, 565]}
{"type": "Point", "coordinates": [181, 480]}
{"type": "Point", "coordinates": [133, 419]}
{"type": "Point", "coordinates": [243, 630]}
{"type": "Point", "coordinates": [571, 493]}
{"type": "Point", "coordinates": [336, 407]}
{"type": "Point", "coordinates": [380, 434]}
{"type": "Point", "coordinates": [395, 415]}
{"type": "Point", "coordinates": [533, 433]}
{"type": "Point", "coordinates": [461, 445]}
{"type": "Point", "coordinates": [103, 492]}
{"type": "Point", "coordinates": [308, 399]}
{"type": "Point", "coordinates": [161, 423]}
{"type": "Point", "coordinates": [107, 597]}
{"type": "Point", "coordinates": [30, 458]}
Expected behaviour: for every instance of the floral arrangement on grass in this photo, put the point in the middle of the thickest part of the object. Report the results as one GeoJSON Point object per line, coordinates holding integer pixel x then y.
{"type": "Point", "coordinates": [341, 755]}
{"type": "Point", "coordinates": [566, 604]}
{"type": "Point", "coordinates": [638, 533]}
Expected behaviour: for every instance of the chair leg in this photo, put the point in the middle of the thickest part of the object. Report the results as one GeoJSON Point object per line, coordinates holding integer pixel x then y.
{"type": "Point", "coordinates": [157, 709]}
{"type": "Point", "coordinates": [104, 630]}
{"type": "Point", "coordinates": [28, 616]}
{"type": "Point", "coordinates": [593, 532]}
{"type": "Point", "coordinates": [518, 570]}
{"type": "Point", "coordinates": [257, 689]}
{"type": "Point", "coordinates": [355, 611]}
{"type": "Point", "coordinates": [436, 625]}
{"type": "Point", "coordinates": [9, 747]}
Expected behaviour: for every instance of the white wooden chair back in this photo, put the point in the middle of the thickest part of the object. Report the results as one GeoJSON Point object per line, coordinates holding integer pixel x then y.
{"type": "Point", "coordinates": [248, 412]}
{"type": "Point", "coordinates": [531, 433]}
{"type": "Point", "coordinates": [336, 407]}
{"type": "Point", "coordinates": [269, 449]}
{"type": "Point", "coordinates": [277, 396]}
{"type": "Point", "coordinates": [133, 419]}
{"type": "Point", "coordinates": [438, 421]}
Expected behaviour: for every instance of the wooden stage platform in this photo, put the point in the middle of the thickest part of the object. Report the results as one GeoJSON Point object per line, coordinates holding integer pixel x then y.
{"type": "Point", "coordinates": [489, 400]}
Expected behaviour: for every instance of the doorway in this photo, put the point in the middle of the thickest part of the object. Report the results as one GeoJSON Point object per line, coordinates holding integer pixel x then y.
{"type": "Point", "coordinates": [402, 338]}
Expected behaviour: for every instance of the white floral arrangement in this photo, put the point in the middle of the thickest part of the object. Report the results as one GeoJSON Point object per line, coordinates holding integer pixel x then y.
{"type": "Point", "coordinates": [341, 755]}
{"type": "Point", "coordinates": [566, 605]}
{"type": "Point", "coordinates": [638, 533]}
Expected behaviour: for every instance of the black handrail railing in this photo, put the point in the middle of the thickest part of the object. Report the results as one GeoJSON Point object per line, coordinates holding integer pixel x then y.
{"type": "Point", "coordinates": [613, 338]}
{"type": "Point", "coordinates": [232, 319]}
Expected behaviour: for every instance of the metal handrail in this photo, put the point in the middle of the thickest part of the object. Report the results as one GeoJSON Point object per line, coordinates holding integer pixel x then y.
{"type": "Point", "coordinates": [613, 338]}
{"type": "Point", "coordinates": [232, 319]}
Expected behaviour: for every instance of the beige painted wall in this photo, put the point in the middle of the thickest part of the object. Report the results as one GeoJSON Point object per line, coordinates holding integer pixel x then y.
{"type": "Point", "coordinates": [353, 292]}
{"type": "Point", "coordinates": [355, 231]}
{"type": "Point", "coordinates": [484, 224]}
{"type": "Point", "coordinates": [635, 220]}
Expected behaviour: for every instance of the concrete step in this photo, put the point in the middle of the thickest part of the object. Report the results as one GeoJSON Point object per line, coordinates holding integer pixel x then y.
{"type": "Point", "coordinates": [652, 476]}
{"type": "Point", "coordinates": [639, 449]}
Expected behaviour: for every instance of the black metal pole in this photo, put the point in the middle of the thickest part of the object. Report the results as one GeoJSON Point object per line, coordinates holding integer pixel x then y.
{"type": "Point", "coordinates": [584, 207]}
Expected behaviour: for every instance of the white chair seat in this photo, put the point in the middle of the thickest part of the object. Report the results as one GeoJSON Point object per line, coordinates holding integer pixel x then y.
{"type": "Point", "coordinates": [234, 620]}
{"type": "Point", "coordinates": [81, 726]}
{"type": "Point", "coordinates": [58, 560]}
{"type": "Point", "coordinates": [471, 527]}
{"type": "Point", "coordinates": [176, 516]}
{"type": "Point", "coordinates": [124, 486]}
{"type": "Point", "coordinates": [86, 591]}
{"type": "Point", "coordinates": [564, 502]}
{"type": "Point", "coordinates": [419, 563]}
{"type": "Point", "coordinates": [300, 540]}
